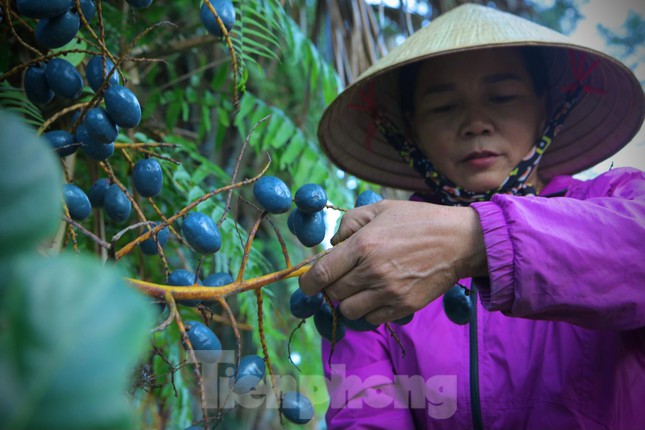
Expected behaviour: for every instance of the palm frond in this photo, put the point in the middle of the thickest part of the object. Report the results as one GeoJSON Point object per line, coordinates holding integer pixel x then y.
{"type": "Point", "coordinates": [14, 100]}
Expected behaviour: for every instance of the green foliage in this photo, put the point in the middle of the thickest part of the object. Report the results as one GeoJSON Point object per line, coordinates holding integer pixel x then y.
{"type": "Point", "coordinates": [188, 100]}
{"type": "Point", "coordinates": [62, 368]}
{"type": "Point", "coordinates": [30, 187]}
{"type": "Point", "coordinates": [71, 329]}
{"type": "Point", "coordinates": [13, 100]}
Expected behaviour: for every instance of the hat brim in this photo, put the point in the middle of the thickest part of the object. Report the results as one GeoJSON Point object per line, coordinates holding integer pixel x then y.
{"type": "Point", "coordinates": [604, 120]}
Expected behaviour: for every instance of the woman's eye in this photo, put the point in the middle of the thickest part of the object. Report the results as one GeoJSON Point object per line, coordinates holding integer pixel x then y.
{"type": "Point", "coordinates": [443, 108]}
{"type": "Point", "coordinates": [503, 99]}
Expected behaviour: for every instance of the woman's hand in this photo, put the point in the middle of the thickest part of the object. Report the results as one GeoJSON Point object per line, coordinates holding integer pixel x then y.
{"type": "Point", "coordinates": [395, 257]}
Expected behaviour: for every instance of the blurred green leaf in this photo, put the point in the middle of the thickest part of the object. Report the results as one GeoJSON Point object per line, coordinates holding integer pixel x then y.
{"type": "Point", "coordinates": [72, 334]}
{"type": "Point", "coordinates": [30, 187]}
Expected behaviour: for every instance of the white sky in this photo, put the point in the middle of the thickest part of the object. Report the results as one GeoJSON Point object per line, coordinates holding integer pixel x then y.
{"type": "Point", "coordinates": [612, 14]}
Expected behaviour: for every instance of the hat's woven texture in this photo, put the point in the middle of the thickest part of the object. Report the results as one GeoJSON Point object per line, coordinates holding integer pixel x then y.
{"type": "Point", "coordinates": [608, 115]}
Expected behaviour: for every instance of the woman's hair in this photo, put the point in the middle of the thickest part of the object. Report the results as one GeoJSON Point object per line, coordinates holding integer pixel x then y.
{"type": "Point", "coordinates": [533, 60]}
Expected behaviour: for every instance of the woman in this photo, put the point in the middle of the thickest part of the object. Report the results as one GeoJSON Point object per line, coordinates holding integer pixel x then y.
{"type": "Point", "coordinates": [485, 116]}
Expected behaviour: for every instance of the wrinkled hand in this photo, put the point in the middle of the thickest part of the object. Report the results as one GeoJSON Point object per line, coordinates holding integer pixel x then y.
{"type": "Point", "coordinates": [394, 257]}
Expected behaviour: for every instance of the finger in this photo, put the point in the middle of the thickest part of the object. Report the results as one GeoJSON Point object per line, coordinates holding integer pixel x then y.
{"type": "Point", "coordinates": [353, 221]}
{"type": "Point", "coordinates": [361, 304]}
{"type": "Point", "coordinates": [328, 269]}
{"type": "Point", "coordinates": [383, 315]}
{"type": "Point", "coordinates": [347, 285]}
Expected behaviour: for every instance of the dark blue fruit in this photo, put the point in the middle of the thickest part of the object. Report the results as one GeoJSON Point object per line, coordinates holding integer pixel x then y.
{"type": "Point", "coordinates": [457, 305]}
{"type": "Point", "coordinates": [249, 374]}
{"type": "Point", "coordinates": [323, 319]}
{"type": "Point", "coordinates": [57, 31]}
{"type": "Point", "coordinates": [218, 279]}
{"type": "Point", "coordinates": [302, 305]}
{"type": "Point", "coordinates": [95, 150]}
{"type": "Point", "coordinates": [272, 194]}
{"type": "Point", "coordinates": [97, 191]}
{"type": "Point", "coordinates": [367, 197]}
{"type": "Point", "coordinates": [139, 4]}
{"type": "Point", "coordinates": [149, 247]}
{"type": "Point", "coordinates": [100, 126]}
{"type": "Point", "coordinates": [61, 141]}
{"type": "Point", "coordinates": [147, 177]}
{"type": "Point", "coordinates": [89, 9]}
{"type": "Point", "coordinates": [360, 324]}
{"type": "Point", "coordinates": [184, 278]}
{"type": "Point", "coordinates": [77, 202]}
{"type": "Point", "coordinates": [296, 407]}
{"type": "Point", "coordinates": [205, 343]}
{"type": "Point", "coordinates": [310, 228]}
{"type": "Point", "coordinates": [95, 75]}
{"type": "Point", "coordinates": [122, 106]}
{"type": "Point", "coordinates": [63, 78]}
{"type": "Point", "coordinates": [98, 151]}
{"type": "Point", "coordinates": [311, 198]}
{"type": "Point", "coordinates": [292, 215]}
{"type": "Point", "coordinates": [404, 320]}
{"type": "Point", "coordinates": [35, 84]}
{"type": "Point", "coordinates": [226, 13]}
{"type": "Point", "coordinates": [201, 233]}
{"type": "Point", "coordinates": [43, 8]}
{"type": "Point", "coordinates": [116, 204]}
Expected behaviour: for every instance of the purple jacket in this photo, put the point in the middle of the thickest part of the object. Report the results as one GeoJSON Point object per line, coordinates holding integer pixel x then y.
{"type": "Point", "coordinates": [560, 325]}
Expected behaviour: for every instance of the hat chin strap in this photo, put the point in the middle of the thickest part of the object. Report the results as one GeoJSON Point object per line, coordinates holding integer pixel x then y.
{"type": "Point", "coordinates": [446, 192]}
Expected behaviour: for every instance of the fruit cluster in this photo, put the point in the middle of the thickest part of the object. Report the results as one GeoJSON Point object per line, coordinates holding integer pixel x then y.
{"type": "Point", "coordinates": [95, 127]}
{"type": "Point", "coordinates": [307, 221]}
{"type": "Point", "coordinates": [330, 323]}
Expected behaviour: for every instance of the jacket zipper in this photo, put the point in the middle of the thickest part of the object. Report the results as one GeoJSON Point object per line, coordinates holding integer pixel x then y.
{"type": "Point", "coordinates": [475, 404]}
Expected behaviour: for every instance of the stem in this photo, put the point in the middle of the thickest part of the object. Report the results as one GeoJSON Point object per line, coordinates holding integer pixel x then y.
{"type": "Point", "coordinates": [130, 246]}
{"type": "Point", "coordinates": [213, 294]}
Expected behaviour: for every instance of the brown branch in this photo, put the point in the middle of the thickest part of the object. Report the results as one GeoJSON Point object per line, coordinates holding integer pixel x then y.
{"type": "Point", "coordinates": [191, 354]}
{"type": "Point", "coordinates": [236, 100]}
{"type": "Point", "coordinates": [396, 338]}
{"type": "Point", "coordinates": [130, 246]}
{"type": "Point", "coordinates": [59, 114]}
{"type": "Point", "coordinates": [227, 207]}
{"type": "Point", "coordinates": [87, 233]}
{"type": "Point", "coordinates": [247, 247]}
{"type": "Point", "coordinates": [212, 294]}
{"type": "Point", "coordinates": [145, 145]}
{"type": "Point", "coordinates": [283, 244]}
{"type": "Point", "coordinates": [9, 15]}
{"type": "Point", "coordinates": [171, 316]}
{"type": "Point", "coordinates": [265, 349]}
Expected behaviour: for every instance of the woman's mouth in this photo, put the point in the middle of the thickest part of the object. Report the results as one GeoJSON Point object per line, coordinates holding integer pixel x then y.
{"type": "Point", "coordinates": [480, 159]}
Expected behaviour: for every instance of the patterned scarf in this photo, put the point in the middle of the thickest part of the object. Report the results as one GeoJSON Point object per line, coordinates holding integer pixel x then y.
{"type": "Point", "coordinates": [447, 192]}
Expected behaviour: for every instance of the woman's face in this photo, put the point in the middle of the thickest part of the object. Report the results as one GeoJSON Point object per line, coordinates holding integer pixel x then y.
{"type": "Point", "coordinates": [476, 115]}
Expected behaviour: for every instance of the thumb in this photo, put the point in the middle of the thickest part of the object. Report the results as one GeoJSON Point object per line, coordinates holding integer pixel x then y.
{"type": "Point", "coordinates": [354, 220]}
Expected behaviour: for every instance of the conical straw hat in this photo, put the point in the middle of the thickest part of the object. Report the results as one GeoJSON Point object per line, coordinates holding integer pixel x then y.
{"type": "Point", "coordinates": [606, 118]}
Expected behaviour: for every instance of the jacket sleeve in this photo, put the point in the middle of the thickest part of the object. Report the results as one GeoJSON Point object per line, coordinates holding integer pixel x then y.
{"type": "Point", "coordinates": [578, 258]}
{"type": "Point", "coordinates": [361, 384]}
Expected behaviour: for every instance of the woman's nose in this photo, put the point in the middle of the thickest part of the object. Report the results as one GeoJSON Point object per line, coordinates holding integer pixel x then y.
{"type": "Point", "coordinates": [476, 123]}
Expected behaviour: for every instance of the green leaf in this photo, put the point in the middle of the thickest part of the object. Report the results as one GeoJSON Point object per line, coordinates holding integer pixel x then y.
{"type": "Point", "coordinates": [30, 187]}
{"type": "Point", "coordinates": [293, 150]}
{"type": "Point", "coordinates": [285, 132]}
{"type": "Point", "coordinates": [74, 57]}
{"type": "Point", "coordinates": [72, 333]}
{"type": "Point", "coordinates": [14, 100]}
